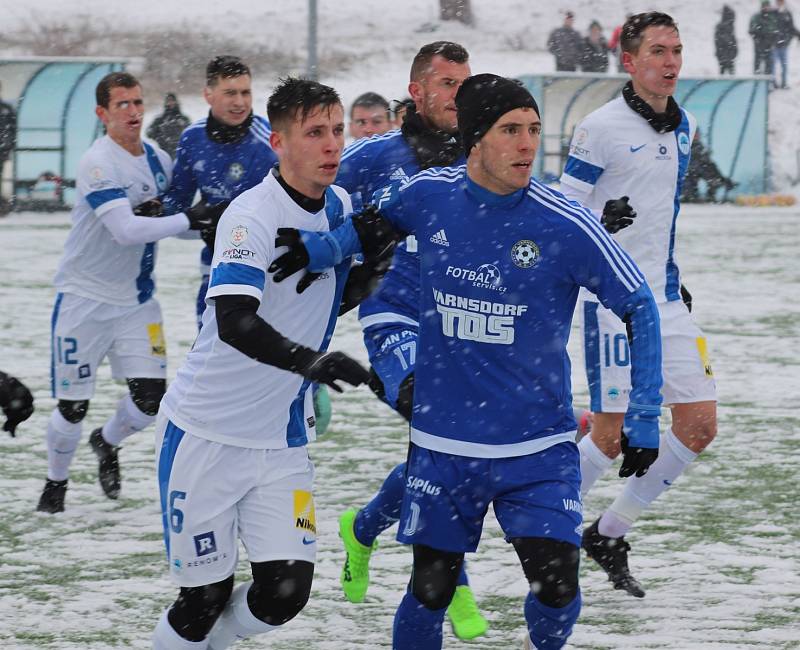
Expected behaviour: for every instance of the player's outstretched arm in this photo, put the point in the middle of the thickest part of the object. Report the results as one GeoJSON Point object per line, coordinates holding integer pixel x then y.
{"type": "Point", "coordinates": [241, 327]}
{"type": "Point", "coordinates": [16, 402]}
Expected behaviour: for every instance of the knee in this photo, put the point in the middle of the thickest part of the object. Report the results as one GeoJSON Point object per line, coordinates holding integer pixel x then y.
{"type": "Point", "coordinates": [435, 576]}
{"type": "Point", "coordinates": [197, 609]}
{"type": "Point", "coordinates": [147, 393]}
{"type": "Point", "coordinates": [73, 411]}
{"type": "Point", "coordinates": [280, 590]}
{"type": "Point", "coordinates": [551, 567]}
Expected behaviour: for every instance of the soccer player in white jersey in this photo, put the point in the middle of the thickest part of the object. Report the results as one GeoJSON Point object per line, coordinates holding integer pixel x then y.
{"type": "Point", "coordinates": [105, 305]}
{"type": "Point", "coordinates": [233, 426]}
{"type": "Point", "coordinates": [638, 145]}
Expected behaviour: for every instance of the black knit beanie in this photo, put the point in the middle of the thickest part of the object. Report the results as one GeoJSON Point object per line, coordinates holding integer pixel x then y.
{"type": "Point", "coordinates": [485, 98]}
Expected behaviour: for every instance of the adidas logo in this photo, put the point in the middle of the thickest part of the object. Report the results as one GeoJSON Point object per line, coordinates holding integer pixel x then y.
{"type": "Point", "coordinates": [440, 238]}
{"type": "Point", "coordinates": [398, 175]}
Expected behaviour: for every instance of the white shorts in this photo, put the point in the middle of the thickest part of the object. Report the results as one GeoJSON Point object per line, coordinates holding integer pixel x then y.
{"type": "Point", "coordinates": [213, 494]}
{"type": "Point", "coordinates": [84, 331]}
{"type": "Point", "coordinates": [685, 361]}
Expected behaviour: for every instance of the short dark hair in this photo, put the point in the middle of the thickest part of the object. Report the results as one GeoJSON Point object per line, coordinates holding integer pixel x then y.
{"type": "Point", "coordinates": [446, 49]}
{"type": "Point", "coordinates": [225, 66]}
{"type": "Point", "coordinates": [295, 96]}
{"type": "Point", "coordinates": [368, 100]}
{"type": "Point", "coordinates": [102, 93]}
{"type": "Point", "coordinates": [631, 37]}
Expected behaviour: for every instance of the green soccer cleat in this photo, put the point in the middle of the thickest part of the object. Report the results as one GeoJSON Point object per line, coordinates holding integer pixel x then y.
{"type": "Point", "coordinates": [464, 615]}
{"type": "Point", "coordinates": [355, 573]}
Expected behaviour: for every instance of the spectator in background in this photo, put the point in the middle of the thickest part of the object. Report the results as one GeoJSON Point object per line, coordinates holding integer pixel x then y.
{"type": "Point", "coordinates": [8, 140]}
{"type": "Point", "coordinates": [566, 44]}
{"type": "Point", "coordinates": [784, 32]}
{"type": "Point", "coordinates": [369, 115]}
{"type": "Point", "coordinates": [613, 44]}
{"type": "Point", "coordinates": [763, 31]}
{"type": "Point", "coordinates": [725, 46]}
{"type": "Point", "coordinates": [702, 167]}
{"type": "Point", "coordinates": [166, 129]}
{"type": "Point", "coordinates": [594, 57]}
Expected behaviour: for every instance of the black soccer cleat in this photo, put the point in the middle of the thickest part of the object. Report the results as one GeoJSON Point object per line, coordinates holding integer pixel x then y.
{"type": "Point", "coordinates": [611, 553]}
{"type": "Point", "coordinates": [52, 499]}
{"type": "Point", "coordinates": [108, 455]}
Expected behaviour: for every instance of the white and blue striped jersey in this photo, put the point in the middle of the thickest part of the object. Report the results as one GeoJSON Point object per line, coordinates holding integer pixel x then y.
{"type": "Point", "coordinates": [94, 265]}
{"type": "Point", "coordinates": [219, 393]}
{"type": "Point", "coordinates": [499, 279]}
{"type": "Point", "coordinates": [615, 152]}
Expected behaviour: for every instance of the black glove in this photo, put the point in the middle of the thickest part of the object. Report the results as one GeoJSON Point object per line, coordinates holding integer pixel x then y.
{"type": "Point", "coordinates": [203, 216]}
{"type": "Point", "coordinates": [635, 459]}
{"type": "Point", "coordinates": [686, 297]}
{"type": "Point", "coordinates": [617, 214]}
{"type": "Point", "coordinates": [329, 367]}
{"type": "Point", "coordinates": [375, 232]}
{"type": "Point", "coordinates": [151, 208]}
{"type": "Point", "coordinates": [17, 402]}
{"type": "Point", "coordinates": [292, 261]}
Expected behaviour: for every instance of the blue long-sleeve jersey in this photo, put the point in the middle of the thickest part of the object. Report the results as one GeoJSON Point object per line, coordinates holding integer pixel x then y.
{"type": "Point", "coordinates": [368, 165]}
{"type": "Point", "coordinates": [499, 278]}
{"type": "Point", "coordinates": [220, 171]}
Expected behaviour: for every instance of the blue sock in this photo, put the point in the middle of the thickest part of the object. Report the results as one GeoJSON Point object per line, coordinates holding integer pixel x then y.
{"type": "Point", "coordinates": [416, 627]}
{"type": "Point", "coordinates": [384, 509]}
{"type": "Point", "coordinates": [462, 577]}
{"type": "Point", "coordinates": [550, 627]}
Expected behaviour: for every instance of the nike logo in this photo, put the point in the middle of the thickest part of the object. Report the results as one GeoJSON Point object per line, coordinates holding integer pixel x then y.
{"type": "Point", "coordinates": [635, 149]}
{"type": "Point", "coordinates": [307, 541]}
{"type": "Point", "coordinates": [667, 483]}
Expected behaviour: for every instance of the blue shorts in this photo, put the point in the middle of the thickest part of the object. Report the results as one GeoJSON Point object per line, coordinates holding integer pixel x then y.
{"type": "Point", "coordinates": [392, 349]}
{"type": "Point", "coordinates": [446, 497]}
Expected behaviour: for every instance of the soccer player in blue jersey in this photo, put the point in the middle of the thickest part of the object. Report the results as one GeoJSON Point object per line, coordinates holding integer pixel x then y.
{"type": "Point", "coordinates": [233, 427]}
{"type": "Point", "coordinates": [105, 304]}
{"type": "Point", "coordinates": [225, 153]}
{"type": "Point", "coordinates": [427, 138]}
{"type": "Point", "coordinates": [502, 258]}
{"type": "Point", "coordinates": [638, 145]}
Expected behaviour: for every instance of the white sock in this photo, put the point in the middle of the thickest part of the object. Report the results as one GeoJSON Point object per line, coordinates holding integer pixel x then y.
{"type": "Point", "coordinates": [126, 421]}
{"type": "Point", "coordinates": [166, 638]}
{"type": "Point", "coordinates": [640, 492]}
{"type": "Point", "coordinates": [594, 463]}
{"type": "Point", "coordinates": [236, 621]}
{"type": "Point", "coordinates": [62, 441]}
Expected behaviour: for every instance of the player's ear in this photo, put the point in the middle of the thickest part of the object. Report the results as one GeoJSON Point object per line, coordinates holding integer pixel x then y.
{"type": "Point", "coordinates": [627, 62]}
{"type": "Point", "coordinates": [276, 141]}
{"type": "Point", "coordinates": [207, 94]}
{"type": "Point", "coordinates": [100, 111]}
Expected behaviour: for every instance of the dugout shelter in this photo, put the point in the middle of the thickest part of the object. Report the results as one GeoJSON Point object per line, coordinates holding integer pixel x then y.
{"type": "Point", "coordinates": [732, 115]}
{"type": "Point", "coordinates": [54, 101]}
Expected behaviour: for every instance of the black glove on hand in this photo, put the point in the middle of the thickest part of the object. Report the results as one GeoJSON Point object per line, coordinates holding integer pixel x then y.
{"type": "Point", "coordinates": [635, 459]}
{"type": "Point", "coordinates": [17, 402]}
{"type": "Point", "coordinates": [375, 232]}
{"type": "Point", "coordinates": [292, 261]}
{"type": "Point", "coordinates": [687, 298]}
{"type": "Point", "coordinates": [151, 208]}
{"type": "Point", "coordinates": [329, 367]}
{"type": "Point", "coordinates": [617, 214]}
{"type": "Point", "coordinates": [203, 216]}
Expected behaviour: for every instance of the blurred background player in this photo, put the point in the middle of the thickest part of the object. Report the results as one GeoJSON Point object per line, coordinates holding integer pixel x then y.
{"type": "Point", "coordinates": [369, 115]}
{"type": "Point", "coordinates": [234, 425]}
{"type": "Point", "coordinates": [427, 138]}
{"type": "Point", "coordinates": [638, 145]}
{"type": "Point", "coordinates": [104, 309]}
{"type": "Point", "coordinates": [167, 127]}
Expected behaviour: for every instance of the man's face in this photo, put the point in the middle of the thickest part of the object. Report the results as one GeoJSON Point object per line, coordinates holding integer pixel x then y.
{"type": "Point", "coordinates": [230, 99]}
{"type": "Point", "coordinates": [309, 150]}
{"type": "Point", "coordinates": [435, 93]}
{"type": "Point", "coordinates": [366, 121]}
{"type": "Point", "coordinates": [502, 161]}
{"type": "Point", "coordinates": [654, 69]}
{"type": "Point", "coordinates": [124, 115]}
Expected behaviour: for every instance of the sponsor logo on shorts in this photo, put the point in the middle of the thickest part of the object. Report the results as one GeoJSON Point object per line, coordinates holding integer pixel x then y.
{"type": "Point", "coordinates": [311, 420]}
{"type": "Point", "coordinates": [177, 563]}
{"type": "Point", "coordinates": [84, 371]}
{"type": "Point", "coordinates": [205, 544]}
{"type": "Point", "coordinates": [304, 515]}
{"type": "Point", "coordinates": [572, 505]}
{"type": "Point", "coordinates": [308, 541]}
{"type": "Point", "coordinates": [613, 393]}
{"type": "Point", "coordinates": [423, 485]}
{"type": "Point", "coordinates": [158, 346]}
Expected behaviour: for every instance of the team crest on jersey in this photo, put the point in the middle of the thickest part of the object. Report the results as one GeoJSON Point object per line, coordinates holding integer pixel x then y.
{"type": "Point", "coordinates": [238, 235]}
{"type": "Point", "coordinates": [525, 254]}
{"type": "Point", "coordinates": [236, 171]}
{"type": "Point", "coordinates": [683, 143]}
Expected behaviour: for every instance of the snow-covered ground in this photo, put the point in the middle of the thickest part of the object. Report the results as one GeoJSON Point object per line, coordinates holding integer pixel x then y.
{"type": "Point", "coordinates": [718, 553]}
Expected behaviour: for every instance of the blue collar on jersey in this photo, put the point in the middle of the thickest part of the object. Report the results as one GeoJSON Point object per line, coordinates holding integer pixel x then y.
{"type": "Point", "coordinates": [487, 197]}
